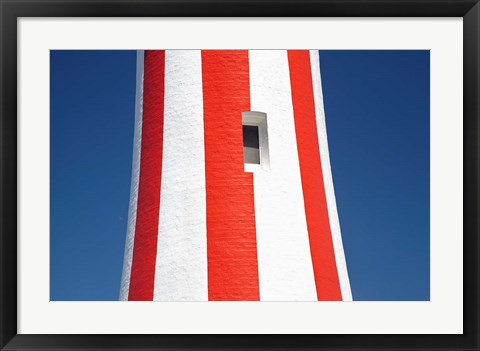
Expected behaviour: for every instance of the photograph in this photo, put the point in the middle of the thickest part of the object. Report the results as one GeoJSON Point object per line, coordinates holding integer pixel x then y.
{"type": "Point", "coordinates": [240, 175]}
{"type": "Point", "coordinates": [258, 175]}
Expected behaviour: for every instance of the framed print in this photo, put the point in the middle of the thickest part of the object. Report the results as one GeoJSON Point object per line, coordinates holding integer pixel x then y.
{"type": "Point", "coordinates": [245, 175]}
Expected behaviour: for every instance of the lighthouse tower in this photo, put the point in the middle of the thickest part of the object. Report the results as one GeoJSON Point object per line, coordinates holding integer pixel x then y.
{"type": "Point", "coordinates": [232, 196]}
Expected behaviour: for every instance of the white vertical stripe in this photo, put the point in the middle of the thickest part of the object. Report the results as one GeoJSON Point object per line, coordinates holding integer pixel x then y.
{"type": "Point", "coordinates": [284, 259]}
{"type": "Point", "coordinates": [181, 266]}
{"type": "Point", "coordinates": [132, 209]}
{"type": "Point", "coordinates": [327, 178]}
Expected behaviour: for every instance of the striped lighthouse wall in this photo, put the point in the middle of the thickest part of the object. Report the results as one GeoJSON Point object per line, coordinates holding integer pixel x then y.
{"type": "Point", "coordinates": [181, 264]}
{"type": "Point", "coordinates": [316, 207]}
{"type": "Point", "coordinates": [285, 264]}
{"type": "Point", "coordinates": [328, 179]}
{"type": "Point", "coordinates": [204, 249]}
{"type": "Point", "coordinates": [231, 220]}
{"type": "Point", "coordinates": [132, 209]}
{"type": "Point", "coordinates": [142, 272]}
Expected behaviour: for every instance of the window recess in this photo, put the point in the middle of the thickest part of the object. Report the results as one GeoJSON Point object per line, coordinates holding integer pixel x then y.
{"type": "Point", "coordinates": [255, 141]}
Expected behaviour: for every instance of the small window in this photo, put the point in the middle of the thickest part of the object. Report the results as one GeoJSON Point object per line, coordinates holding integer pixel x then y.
{"type": "Point", "coordinates": [251, 146]}
{"type": "Point", "coordinates": [255, 141]}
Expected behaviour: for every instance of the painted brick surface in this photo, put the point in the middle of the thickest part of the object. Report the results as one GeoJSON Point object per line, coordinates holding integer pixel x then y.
{"type": "Point", "coordinates": [181, 266]}
{"type": "Point", "coordinates": [148, 204]}
{"type": "Point", "coordinates": [231, 238]}
{"type": "Point", "coordinates": [213, 228]}
{"type": "Point", "coordinates": [316, 210]}
{"type": "Point", "coordinates": [328, 179]}
{"type": "Point", "coordinates": [284, 260]}
{"type": "Point", "coordinates": [132, 209]}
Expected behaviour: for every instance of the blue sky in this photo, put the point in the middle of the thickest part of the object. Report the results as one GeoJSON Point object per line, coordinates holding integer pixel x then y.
{"type": "Point", "coordinates": [377, 114]}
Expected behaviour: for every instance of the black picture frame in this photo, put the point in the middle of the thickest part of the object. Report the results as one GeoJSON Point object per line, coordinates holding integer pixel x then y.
{"type": "Point", "coordinates": [11, 10]}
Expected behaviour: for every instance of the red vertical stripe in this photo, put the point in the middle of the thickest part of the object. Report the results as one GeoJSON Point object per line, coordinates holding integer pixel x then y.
{"type": "Point", "coordinates": [142, 276]}
{"type": "Point", "coordinates": [231, 236]}
{"type": "Point", "coordinates": [316, 211]}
